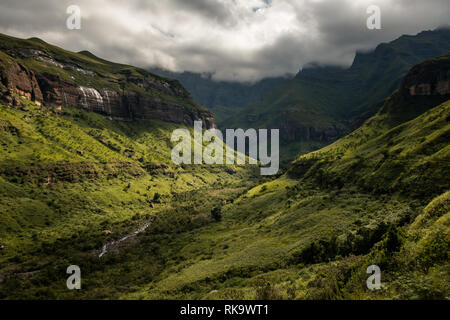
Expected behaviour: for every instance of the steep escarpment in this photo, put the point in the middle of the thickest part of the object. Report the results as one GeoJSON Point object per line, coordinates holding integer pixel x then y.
{"type": "Point", "coordinates": [425, 86]}
{"type": "Point", "coordinates": [293, 131]}
{"type": "Point", "coordinates": [324, 103]}
{"type": "Point", "coordinates": [18, 79]}
{"type": "Point", "coordinates": [47, 74]}
{"type": "Point", "coordinates": [403, 148]}
{"type": "Point", "coordinates": [225, 98]}
{"type": "Point", "coordinates": [378, 196]}
{"type": "Point", "coordinates": [431, 77]}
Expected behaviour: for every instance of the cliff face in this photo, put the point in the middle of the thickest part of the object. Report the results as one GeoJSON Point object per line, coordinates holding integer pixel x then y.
{"type": "Point", "coordinates": [323, 103]}
{"type": "Point", "coordinates": [18, 79]}
{"type": "Point", "coordinates": [424, 87]}
{"type": "Point", "coordinates": [292, 131]}
{"type": "Point", "coordinates": [49, 75]}
{"type": "Point", "coordinates": [431, 78]}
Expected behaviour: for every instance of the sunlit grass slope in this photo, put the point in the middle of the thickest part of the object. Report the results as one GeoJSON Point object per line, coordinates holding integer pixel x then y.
{"type": "Point", "coordinates": [68, 176]}
{"type": "Point", "coordinates": [378, 196]}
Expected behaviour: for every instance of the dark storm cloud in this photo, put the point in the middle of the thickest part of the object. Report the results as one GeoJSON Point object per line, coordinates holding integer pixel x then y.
{"type": "Point", "coordinates": [210, 9]}
{"type": "Point", "coordinates": [241, 40]}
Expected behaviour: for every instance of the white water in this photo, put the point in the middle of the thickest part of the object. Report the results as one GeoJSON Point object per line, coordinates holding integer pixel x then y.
{"type": "Point", "coordinates": [93, 93]}
{"type": "Point", "coordinates": [65, 98]}
{"type": "Point", "coordinates": [103, 251]}
{"type": "Point", "coordinates": [109, 104]}
{"type": "Point", "coordinates": [99, 98]}
{"type": "Point", "coordinates": [135, 233]}
{"type": "Point", "coordinates": [85, 104]}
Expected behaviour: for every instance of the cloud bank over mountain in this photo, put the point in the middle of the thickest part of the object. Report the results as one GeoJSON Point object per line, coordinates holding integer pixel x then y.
{"type": "Point", "coordinates": [238, 40]}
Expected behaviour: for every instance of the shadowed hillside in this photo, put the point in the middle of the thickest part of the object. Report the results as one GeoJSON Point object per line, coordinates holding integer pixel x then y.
{"type": "Point", "coordinates": [322, 104]}
{"type": "Point", "coordinates": [377, 196]}
{"type": "Point", "coordinates": [56, 77]}
{"type": "Point", "coordinates": [78, 188]}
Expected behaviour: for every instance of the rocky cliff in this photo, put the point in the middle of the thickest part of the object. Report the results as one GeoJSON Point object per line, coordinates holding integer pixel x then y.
{"type": "Point", "coordinates": [323, 103]}
{"type": "Point", "coordinates": [58, 78]}
{"type": "Point", "coordinates": [293, 131]}
{"type": "Point", "coordinates": [430, 78]}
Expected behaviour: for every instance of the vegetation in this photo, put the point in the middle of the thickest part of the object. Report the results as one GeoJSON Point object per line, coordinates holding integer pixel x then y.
{"type": "Point", "coordinates": [224, 98]}
{"type": "Point", "coordinates": [68, 176]}
{"type": "Point", "coordinates": [324, 97]}
{"type": "Point", "coordinates": [72, 182]}
{"type": "Point", "coordinates": [216, 214]}
{"type": "Point", "coordinates": [85, 69]}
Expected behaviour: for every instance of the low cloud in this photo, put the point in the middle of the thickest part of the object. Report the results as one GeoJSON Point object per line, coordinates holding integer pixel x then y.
{"type": "Point", "coordinates": [238, 40]}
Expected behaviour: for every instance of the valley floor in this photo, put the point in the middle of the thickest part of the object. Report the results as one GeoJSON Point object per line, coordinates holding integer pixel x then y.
{"type": "Point", "coordinates": [304, 235]}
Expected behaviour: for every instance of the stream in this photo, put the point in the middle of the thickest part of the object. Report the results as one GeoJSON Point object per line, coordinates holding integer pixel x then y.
{"type": "Point", "coordinates": [128, 236]}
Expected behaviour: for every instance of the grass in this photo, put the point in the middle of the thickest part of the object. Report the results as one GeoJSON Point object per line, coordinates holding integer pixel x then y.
{"type": "Point", "coordinates": [71, 181]}
{"type": "Point", "coordinates": [300, 236]}
{"type": "Point", "coordinates": [312, 233]}
{"type": "Point", "coordinates": [95, 72]}
{"type": "Point", "coordinates": [67, 176]}
{"type": "Point", "coordinates": [332, 97]}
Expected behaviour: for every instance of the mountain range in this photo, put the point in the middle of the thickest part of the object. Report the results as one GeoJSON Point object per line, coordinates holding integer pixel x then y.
{"type": "Point", "coordinates": [321, 103]}
{"type": "Point", "coordinates": [55, 77]}
{"type": "Point", "coordinates": [86, 179]}
{"type": "Point", "coordinates": [223, 98]}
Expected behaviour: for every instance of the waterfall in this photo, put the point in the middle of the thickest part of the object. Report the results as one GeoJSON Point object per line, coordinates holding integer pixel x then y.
{"type": "Point", "coordinates": [91, 92]}
{"type": "Point", "coordinates": [65, 98]}
{"type": "Point", "coordinates": [85, 103]}
{"type": "Point", "coordinates": [98, 98]}
{"type": "Point", "coordinates": [109, 104]}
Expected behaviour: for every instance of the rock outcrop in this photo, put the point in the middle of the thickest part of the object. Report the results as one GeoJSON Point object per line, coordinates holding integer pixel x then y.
{"type": "Point", "coordinates": [293, 131]}
{"type": "Point", "coordinates": [18, 79]}
{"type": "Point", "coordinates": [430, 78]}
{"type": "Point", "coordinates": [130, 94]}
{"type": "Point", "coordinates": [125, 105]}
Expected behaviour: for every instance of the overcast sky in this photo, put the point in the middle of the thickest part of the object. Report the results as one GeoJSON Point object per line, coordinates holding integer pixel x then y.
{"type": "Point", "coordinates": [243, 40]}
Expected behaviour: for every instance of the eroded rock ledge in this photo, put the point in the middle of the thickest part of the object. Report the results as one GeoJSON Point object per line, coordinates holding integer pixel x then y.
{"type": "Point", "coordinates": [154, 98]}
{"type": "Point", "coordinates": [430, 78]}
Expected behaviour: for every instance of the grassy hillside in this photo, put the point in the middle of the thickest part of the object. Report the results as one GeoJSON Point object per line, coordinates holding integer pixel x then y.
{"type": "Point", "coordinates": [411, 157]}
{"type": "Point", "coordinates": [69, 177]}
{"type": "Point", "coordinates": [86, 70]}
{"type": "Point", "coordinates": [79, 189]}
{"type": "Point", "coordinates": [313, 232]}
{"type": "Point", "coordinates": [334, 99]}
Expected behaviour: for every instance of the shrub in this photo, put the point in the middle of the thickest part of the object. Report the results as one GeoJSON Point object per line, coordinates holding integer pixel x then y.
{"type": "Point", "coordinates": [439, 206]}
{"type": "Point", "coordinates": [265, 291]}
{"type": "Point", "coordinates": [434, 249]}
{"type": "Point", "coordinates": [157, 198]}
{"type": "Point", "coordinates": [216, 214]}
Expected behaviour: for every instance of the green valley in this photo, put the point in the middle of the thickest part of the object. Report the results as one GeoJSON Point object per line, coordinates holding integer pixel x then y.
{"type": "Point", "coordinates": [89, 182]}
{"type": "Point", "coordinates": [323, 103]}
{"type": "Point", "coordinates": [73, 180]}
{"type": "Point", "coordinates": [376, 197]}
